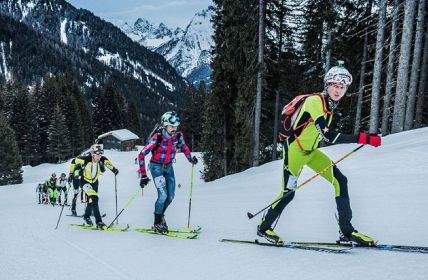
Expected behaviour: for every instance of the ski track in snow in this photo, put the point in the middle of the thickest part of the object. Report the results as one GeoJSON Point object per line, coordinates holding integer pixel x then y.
{"type": "Point", "coordinates": [116, 271]}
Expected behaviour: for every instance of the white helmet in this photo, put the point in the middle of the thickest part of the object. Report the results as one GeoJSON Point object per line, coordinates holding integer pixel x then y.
{"type": "Point", "coordinates": [170, 118]}
{"type": "Point", "coordinates": [338, 74]}
{"type": "Point", "coordinates": [97, 148]}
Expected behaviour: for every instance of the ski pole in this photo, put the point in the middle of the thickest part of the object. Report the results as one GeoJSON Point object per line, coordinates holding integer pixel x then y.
{"type": "Point", "coordinates": [126, 206]}
{"type": "Point", "coordinates": [250, 215]}
{"type": "Point", "coordinates": [190, 195]}
{"type": "Point", "coordinates": [115, 190]}
{"type": "Point", "coordinates": [62, 208]}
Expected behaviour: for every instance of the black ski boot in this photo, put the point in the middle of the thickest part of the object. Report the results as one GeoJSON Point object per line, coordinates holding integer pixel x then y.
{"type": "Point", "coordinates": [358, 238]}
{"type": "Point", "coordinates": [73, 213]}
{"type": "Point", "coordinates": [158, 225]}
{"type": "Point", "coordinates": [269, 235]}
{"type": "Point", "coordinates": [88, 221]}
{"type": "Point", "coordinates": [165, 226]}
{"type": "Point", "coordinates": [101, 225]}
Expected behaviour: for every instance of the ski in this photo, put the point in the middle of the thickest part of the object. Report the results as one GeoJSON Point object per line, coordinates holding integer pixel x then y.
{"type": "Point", "coordinates": [94, 227]}
{"type": "Point", "coordinates": [319, 248]}
{"type": "Point", "coordinates": [81, 216]}
{"type": "Point", "coordinates": [174, 230]}
{"type": "Point", "coordinates": [385, 247]}
{"type": "Point", "coordinates": [188, 235]}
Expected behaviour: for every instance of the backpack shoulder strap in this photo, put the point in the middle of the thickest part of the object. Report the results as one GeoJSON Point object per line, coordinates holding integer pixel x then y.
{"type": "Point", "coordinates": [324, 104]}
{"type": "Point", "coordinates": [158, 132]}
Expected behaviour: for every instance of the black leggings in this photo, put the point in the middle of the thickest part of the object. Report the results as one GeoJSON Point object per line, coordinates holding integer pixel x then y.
{"type": "Point", "coordinates": [342, 200]}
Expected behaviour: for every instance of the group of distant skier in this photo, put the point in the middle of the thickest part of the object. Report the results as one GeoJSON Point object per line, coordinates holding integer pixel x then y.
{"type": "Point", "coordinates": [53, 191]}
{"type": "Point", "coordinates": [306, 121]}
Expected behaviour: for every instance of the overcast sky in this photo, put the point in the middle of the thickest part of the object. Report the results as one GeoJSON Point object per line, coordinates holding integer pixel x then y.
{"type": "Point", "coordinates": [174, 13]}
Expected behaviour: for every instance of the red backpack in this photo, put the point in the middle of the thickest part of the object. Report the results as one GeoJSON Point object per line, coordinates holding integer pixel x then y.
{"type": "Point", "coordinates": [289, 115]}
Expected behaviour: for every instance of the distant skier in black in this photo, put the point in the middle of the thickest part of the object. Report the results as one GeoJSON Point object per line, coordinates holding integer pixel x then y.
{"type": "Point", "coordinates": [62, 188]}
{"type": "Point", "coordinates": [39, 191]}
{"type": "Point", "coordinates": [74, 180]}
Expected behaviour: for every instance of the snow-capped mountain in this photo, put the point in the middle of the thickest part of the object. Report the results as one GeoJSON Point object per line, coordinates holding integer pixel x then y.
{"type": "Point", "coordinates": [145, 33]}
{"type": "Point", "coordinates": [61, 38]}
{"type": "Point", "coordinates": [187, 51]}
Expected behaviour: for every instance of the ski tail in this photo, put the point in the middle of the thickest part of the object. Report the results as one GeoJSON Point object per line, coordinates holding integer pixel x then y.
{"type": "Point", "coordinates": [318, 248]}
{"type": "Point", "coordinates": [385, 247]}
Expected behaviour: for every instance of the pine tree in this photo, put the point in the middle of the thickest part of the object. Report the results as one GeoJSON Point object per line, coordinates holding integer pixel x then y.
{"type": "Point", "coordinates": [403, 68]}
{"type": "Point", "coordinates": [282, 70]}
{"type": "Point", "coordinates": [191, 116]}
{"type": "Point", "coordinates": [414, 76]}
{"type": "Point", "coordinates": [390, 69]}
{"type": "Point", "coordinates": [109, 110]}
{"type": "Point", "coordinates": [214, 142]}
{"type": "Point", "coordinates": [33, 150]}
{"type": "Point", "coordinates": [24, 124]}
{"type": "Point", "coordinates": [71, 111]}
{"type": "Point", "coordinates": [242, 49]}
{"type": "Point", "coordinates": [45, 99]}
{"type": "Point", "coordinates": [363, 68]}
{"type": "Point", "coordinates": [187, 116]}
{"type": "Point", "coordinates": [217, 125]}
{"type": "Point", "coordinates": [133, 122]}
{"type": "Point", "coordinates": [10, 160]}
{"type": "Point", "coordinates": [376, 83]}
{"type": "Point", "coordinates": [8, 95]}
{"type": "Point", "coordinates": [423, 79]}
{"type": "Point", "coordinates": [58, 148]}
{"type": "Point", "coordinates": [84, 113]}
{"type": "Point", "coordinates": [99, 123]}
{"type": "Point", "coordinates": [320, 21]}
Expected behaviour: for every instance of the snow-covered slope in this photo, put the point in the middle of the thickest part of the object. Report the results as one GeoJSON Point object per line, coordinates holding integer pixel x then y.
{"type": "Point", "coordinates": [187, 51]}
{"type": "Point", "coordinates": [388, 193]}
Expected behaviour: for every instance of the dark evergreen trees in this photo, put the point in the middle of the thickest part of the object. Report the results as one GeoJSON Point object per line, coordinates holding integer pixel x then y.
{"type": "Point", "coordinates": [191, 116]}
{"type": "Point", "coordinates": [45, 100]}
{"type": "Point", "coordinates": [109, 110]}
{"type": "Point", "coordinates": [10, 160]}
{"type": "Point", "coordinates": [218, 128]}
{"type": "Point", "coordinates": [58, 148]}
{"type": "Point", "coordinates": [133, 122]}
{"type": "Point", "coordinates": [24, 124]}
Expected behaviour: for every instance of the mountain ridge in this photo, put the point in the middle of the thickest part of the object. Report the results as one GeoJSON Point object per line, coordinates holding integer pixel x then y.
{"type": "Point", "coordinates": [188, 50]}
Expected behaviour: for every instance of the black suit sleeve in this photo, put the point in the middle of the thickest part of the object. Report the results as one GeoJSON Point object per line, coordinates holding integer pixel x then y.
{"type": "Point", "coordinates": [332, 137]}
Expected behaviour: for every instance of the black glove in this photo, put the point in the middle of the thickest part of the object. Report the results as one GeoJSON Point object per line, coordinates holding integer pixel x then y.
{"type": "Point", "coordinates": [194, 160]}
{"type": "Point", "coordinates": [70, 178]}
{"type": "Point", "coordinates": [144, 181]}
{"type": "Point", "coordinates": [115, 171]}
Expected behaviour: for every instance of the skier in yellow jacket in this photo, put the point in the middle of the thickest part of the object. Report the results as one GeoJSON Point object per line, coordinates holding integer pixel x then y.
{"type": "Point", "coordinates": [90, 168]}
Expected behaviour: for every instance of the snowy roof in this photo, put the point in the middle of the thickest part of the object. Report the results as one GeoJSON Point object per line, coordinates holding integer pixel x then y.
{"type": "Point", "coordinates": [121, 134]}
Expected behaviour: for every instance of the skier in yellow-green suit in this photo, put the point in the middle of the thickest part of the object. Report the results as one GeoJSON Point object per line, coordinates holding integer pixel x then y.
{"type": "Point", "coordinates": [312, 125]}
{"type": "Point", "coordinates": [91, 167]}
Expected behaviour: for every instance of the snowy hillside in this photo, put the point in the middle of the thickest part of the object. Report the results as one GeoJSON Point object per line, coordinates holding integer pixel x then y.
{"type": "Point", "coordinates": [388, 193]}
{"type": "Point", "coordinates": [187, 51]}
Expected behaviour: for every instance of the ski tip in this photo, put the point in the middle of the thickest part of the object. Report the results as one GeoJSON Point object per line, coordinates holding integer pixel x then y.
{"type": "Point", "coordinates": [250, 216]}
